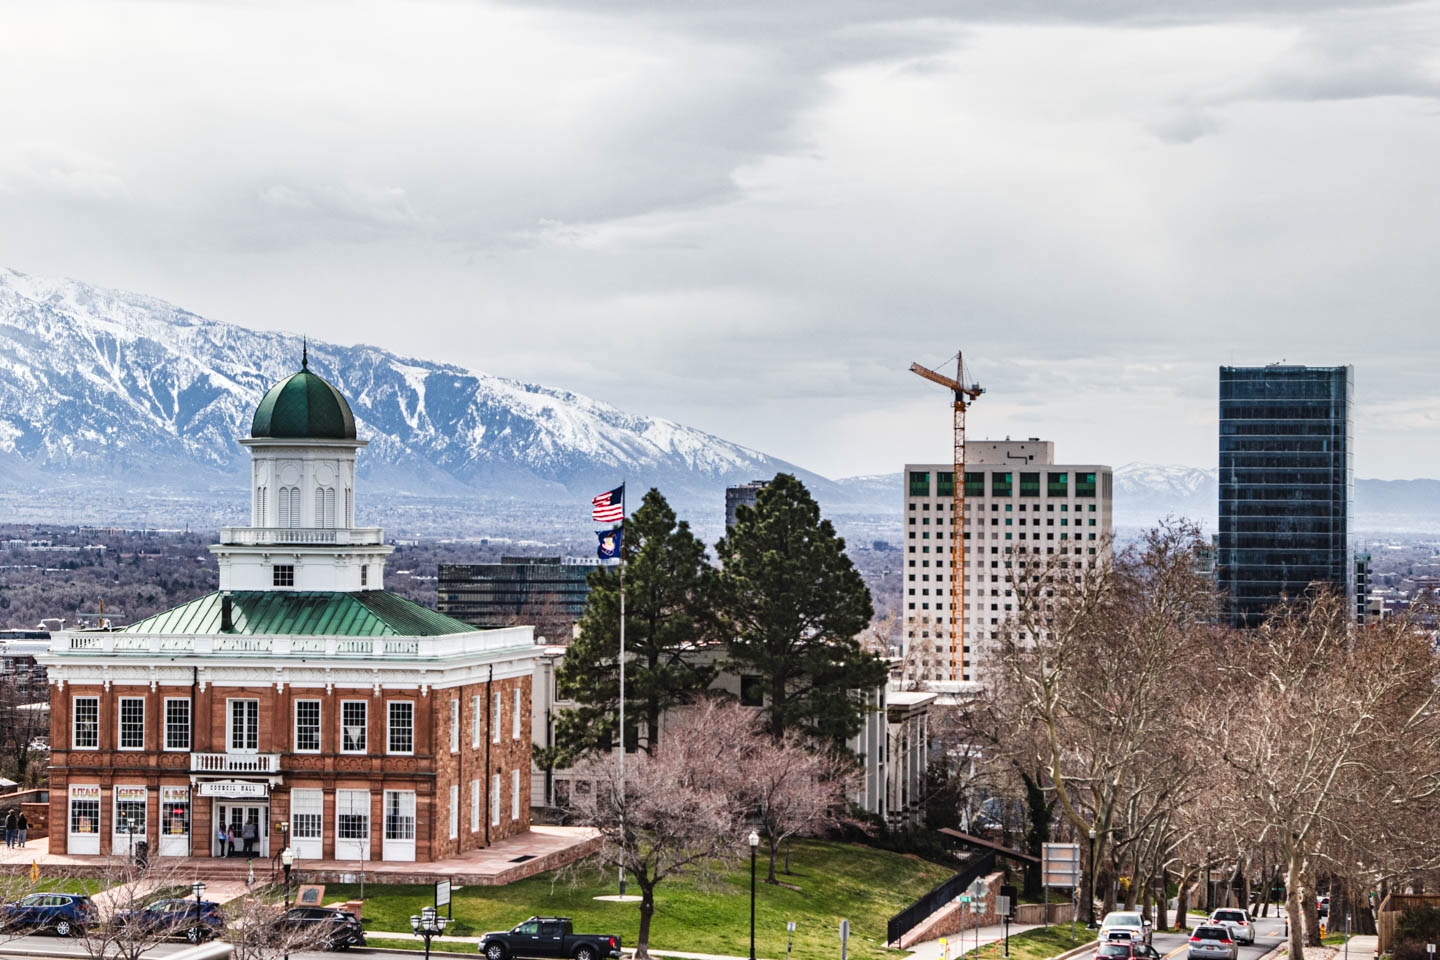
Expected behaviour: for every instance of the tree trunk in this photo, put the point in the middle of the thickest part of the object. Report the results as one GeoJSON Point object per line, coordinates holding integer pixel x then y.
{"type": "Point", "coordinates": [1294, 909]}
{"type": "Point", "coordinates": [1312, 915]}
{"type": "Point", "coordinates": [1145, 901]}
{"type": "Point", "coordinates": [647, 910]}
{"type": "Point", "coordinates": [770, 877]}
{"type": "Point", "coordinates": [1162, 906]}
{"type": "Point", "coordinates": [1182, 903]}
{"type": "Point", "coordinates": [1244, 884]}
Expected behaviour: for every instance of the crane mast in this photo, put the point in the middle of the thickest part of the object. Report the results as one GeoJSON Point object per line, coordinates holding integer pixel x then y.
{"type": "Point", "coordinates": [963, 396]}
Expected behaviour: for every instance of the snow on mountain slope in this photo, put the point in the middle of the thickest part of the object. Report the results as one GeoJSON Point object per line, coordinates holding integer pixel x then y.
{"type": "Point", "coordinates": [102, 382]}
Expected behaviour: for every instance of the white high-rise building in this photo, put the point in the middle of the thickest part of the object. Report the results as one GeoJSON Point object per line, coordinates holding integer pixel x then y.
{"type": "Point", "coordinates": [1018, 502]}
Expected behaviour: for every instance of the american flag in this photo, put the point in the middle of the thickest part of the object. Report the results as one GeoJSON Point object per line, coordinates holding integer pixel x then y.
{"type": "Point", "coordinates": [609, 507]}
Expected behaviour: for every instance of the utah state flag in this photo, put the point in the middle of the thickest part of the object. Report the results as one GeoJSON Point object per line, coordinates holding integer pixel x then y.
{"type": "Point", "coordinates": [609, 548]}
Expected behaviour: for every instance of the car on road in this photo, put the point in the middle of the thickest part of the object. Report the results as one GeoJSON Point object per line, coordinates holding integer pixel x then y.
{"type": "Point", "coordinates": [548, 937]}
{"type": "Point", "coordinates": [196, 922]}
{"type": "Point", "coordinates": [1213, 942]}
{"type": "Point", "coordinates": [1126, 950]}
{"type": "Point", "coordinates": [324, 927]}
{"type": "Point", "coordinates": [1242, 928]}
{"type": "Point", "coordinates": [65, 913]}
{"type": "Point", "coordinates": [1124, 923]}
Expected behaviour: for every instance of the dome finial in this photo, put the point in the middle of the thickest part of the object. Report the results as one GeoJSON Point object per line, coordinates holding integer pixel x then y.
{"type": "Point", "coordinates": [305, 354]}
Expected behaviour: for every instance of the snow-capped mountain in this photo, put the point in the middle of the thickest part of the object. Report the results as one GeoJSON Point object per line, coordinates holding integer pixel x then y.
{"type": "Point", "coordinates": [100, 383]}
{"type": "Point", "coordinates": [1146, 492]}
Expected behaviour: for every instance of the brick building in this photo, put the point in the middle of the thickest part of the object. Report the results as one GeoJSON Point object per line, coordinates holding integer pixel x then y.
{"type": "Point", "coordinates": [299, 694]}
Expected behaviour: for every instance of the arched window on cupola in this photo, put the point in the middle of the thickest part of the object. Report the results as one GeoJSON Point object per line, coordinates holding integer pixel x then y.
{"type": "Point", "coordinates": [260, 517]}
{"type": "Point", "coordinates": [283, 520]}
{"type": "Point", "coordinates": [349, 508]}
{"type": "Point", "coordinates": [324, 506]}
{"type": "Point", "coordinates": [294, 507]}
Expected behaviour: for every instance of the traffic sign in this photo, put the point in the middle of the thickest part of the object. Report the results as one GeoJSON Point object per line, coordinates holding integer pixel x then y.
{"type": "Point", "coordinates": [1060, 865]}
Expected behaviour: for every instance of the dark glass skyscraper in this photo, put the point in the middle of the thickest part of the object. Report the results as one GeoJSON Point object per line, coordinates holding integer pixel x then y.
{"type": "Point", "coordinates": [1286, 484]}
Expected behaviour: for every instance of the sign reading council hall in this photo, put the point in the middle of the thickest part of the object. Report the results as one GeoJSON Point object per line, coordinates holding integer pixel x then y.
{"type": "Point", "coordinates": [299, 693]}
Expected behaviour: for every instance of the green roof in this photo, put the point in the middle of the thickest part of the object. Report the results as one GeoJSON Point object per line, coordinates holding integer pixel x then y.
{"type": "Point", "coordinates": [303, 406]}
{"type": "Point", "coordinates": [367, 613]}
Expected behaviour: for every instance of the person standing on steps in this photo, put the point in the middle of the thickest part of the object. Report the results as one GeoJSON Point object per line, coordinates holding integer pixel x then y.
{"type": "Point", "coordinates": [220, 837]}
{"type": "Point", "coordinates": [249, 833]}
{"type": "Point", "coordinates": [22, 826]}
{"type": "Point", "coordinates": [230, 840]}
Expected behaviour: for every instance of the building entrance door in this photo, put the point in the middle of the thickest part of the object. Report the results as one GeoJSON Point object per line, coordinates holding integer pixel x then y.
{"type": "Point", "coordinates": [237, 817]}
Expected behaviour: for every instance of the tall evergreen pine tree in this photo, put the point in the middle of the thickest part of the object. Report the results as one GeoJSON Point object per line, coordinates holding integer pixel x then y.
{"type": "Point", "coordinates": [793, 606]}
{"type": "Point", "coordinates": [668, 588]}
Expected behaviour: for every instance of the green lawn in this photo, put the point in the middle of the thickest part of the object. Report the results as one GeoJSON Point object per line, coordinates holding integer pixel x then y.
{"type": "Point", "coordinates": [1031, 945]}
{"type": "Point", "coordinates": [835, 880]}
{"type": "Point", "coordinates": [21, 886]}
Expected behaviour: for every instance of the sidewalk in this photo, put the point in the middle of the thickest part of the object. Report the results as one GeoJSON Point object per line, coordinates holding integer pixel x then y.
{"type": "Point", "coordinates": [629, 951]}
{"type": "Point", "coordinates": [962, 942]}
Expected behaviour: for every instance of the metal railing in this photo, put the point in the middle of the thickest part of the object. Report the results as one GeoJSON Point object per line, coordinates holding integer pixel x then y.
{"type": "Point", "coordinates": [235, 762]}
{"type": "Point", "coordinates": [915, 914]}
{"type": "Point", "coordinates": [280, 645]}
{"type": "Point", "coordinates": [324, 536]}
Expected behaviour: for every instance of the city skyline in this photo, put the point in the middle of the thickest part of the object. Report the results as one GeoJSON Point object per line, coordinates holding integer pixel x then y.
{"type": "Point", "coordinates": [770, 214]}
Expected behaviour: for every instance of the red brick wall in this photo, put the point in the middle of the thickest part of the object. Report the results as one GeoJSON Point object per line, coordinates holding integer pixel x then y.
{"type": "Point", "coordinates": [429, 771]}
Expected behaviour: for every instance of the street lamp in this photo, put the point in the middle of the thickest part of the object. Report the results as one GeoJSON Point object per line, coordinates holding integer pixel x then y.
{"type": "Point", "coordinates": [1090, 900]}
{"type": "Point", "coordinates": [428, 924]}
{"type": "Point", "coordinates": [199, 887]}
{"type": "Point", "coordinates": [754, 845]}
{"type": "Point", "coordinates": [287, 860]}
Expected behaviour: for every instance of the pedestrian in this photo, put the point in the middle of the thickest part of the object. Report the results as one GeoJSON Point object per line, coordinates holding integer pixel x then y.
{"type": "Point", "coordinates": [250, 833]}
{"type": "Point", "coordinates": [23, 826]}
{"type": "Point", "coordinates": [220, 838]}
{"type": "Point", "coordinates": [10, 827]}
{"type": "Point", "coordinates": [230, 840]}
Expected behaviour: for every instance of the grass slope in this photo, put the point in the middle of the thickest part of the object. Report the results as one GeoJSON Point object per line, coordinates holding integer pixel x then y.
{"type": "Point", "coordinates": [835, 880]}
{"type": "Point", "coordinates": [1038, 944]}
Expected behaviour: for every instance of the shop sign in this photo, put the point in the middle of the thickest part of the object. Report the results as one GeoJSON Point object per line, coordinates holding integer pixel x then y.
{"type": "Point", "coordinates": [174, 794]}
{"type": "Point", "coordinates": [132, 794]}
{"type": "Point", "coordinates": [233, 789]}
{"type": "Point", "coordinates": [84, 792]}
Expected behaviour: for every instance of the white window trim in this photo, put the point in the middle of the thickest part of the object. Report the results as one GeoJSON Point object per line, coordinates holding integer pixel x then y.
{"type": "Point", "coordinates": [515, 794]}
{"type": "Point", "coordinates": [475, 717]}
{"type": "Point", "coordinates": [474, 806]}
{"type": "Point", "coordinates": [454, 811]}
{"type": "Point", "coordinates": [366, 749]}
{"type": "Point", "coordinates": [497, 706]}
{"type": "Point", "coordinates": [399, 753]}
{"type": "Point", "coordinates": [230, 725]}
{"type": "Point", "coordinates": [75, 726]}
{"type": "Point", "coordinates": [495, 800]}
{"type": "Point", "coordinates": [295, 725]}
{"type": "Point", "coordinates": [515, 718]}
{"type": "Point", "coordinates": [455, 724]}
{"type": "Point", "coordinates": [165, 725]}
{"type": "Point", "coordinates": [120, 723]}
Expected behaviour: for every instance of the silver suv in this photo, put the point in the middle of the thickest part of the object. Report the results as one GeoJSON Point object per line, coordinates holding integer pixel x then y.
{"type": "Point", "coordinates": [1241, 927]}
{"type": "Point", "coordinates": [1124, 923]}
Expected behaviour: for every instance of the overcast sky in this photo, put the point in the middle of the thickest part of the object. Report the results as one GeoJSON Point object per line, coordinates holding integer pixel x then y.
{"type": "Point", "coordinates": [751, 215]}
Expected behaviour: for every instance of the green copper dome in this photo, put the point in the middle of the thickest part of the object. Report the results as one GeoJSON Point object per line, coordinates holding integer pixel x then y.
{"type": "Point", "coordinates": [303, 406]}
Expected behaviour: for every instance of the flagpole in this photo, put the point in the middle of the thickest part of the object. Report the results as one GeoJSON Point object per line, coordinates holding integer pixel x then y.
{"type": "Point", "coordinates": [623, 792]}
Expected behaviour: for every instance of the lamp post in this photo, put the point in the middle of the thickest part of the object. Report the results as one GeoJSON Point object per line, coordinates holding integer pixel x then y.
{"type": "Point", "coordinates": [754, 845]}
{"type": "Point", "coordinates": [1090, 900]}
{"type": "Point", "coordinates": [199, 887]}
{"type": "Point", "coordinates": [287, 860]}
{"type": "Point", "coordinates": [428, 924]}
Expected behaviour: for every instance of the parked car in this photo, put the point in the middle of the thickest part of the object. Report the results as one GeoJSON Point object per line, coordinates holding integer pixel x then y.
{"type": "Point", "coordinates": [65, 913]}
{"type": "Point", "coordinates": [1126, 923]}
{"type": "Point", "coordinates": [323, 926]}
{"type": "Point", "coordinates": [1239, 922]}
{"type": "Point", "coordinates": [548, 937]}
{"type": "Point", "coordinates": [1212, 942]}
{"type": "Point", "coordinates": [178, 918]}
{"type": "Point", "coordinates": [1126, 950]}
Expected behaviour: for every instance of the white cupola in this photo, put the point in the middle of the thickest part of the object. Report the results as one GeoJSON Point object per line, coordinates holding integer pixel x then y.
{"type": "Point", "coordinates": [302, 533]}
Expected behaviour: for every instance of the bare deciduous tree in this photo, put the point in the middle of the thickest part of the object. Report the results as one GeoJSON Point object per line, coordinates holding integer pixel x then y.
{"type": "Point", "coordinates": [794, 788]}
{"type": "Point", "coordinates": [678, 809]}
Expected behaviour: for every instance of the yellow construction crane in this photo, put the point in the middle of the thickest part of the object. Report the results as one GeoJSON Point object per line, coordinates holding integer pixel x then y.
{"type": "Point", "coordinates": [963, 397]}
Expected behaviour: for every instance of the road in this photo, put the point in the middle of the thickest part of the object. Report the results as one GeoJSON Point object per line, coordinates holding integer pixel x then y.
{"type": "Point", "coordinates": [1269, 934]}
{"type": "Point", "coordinates": [48, 945]}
